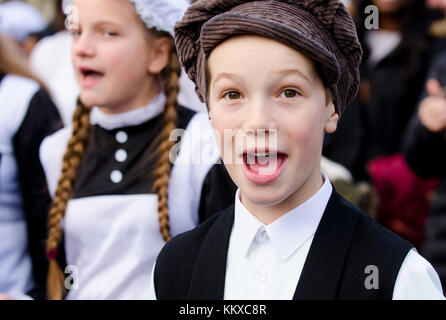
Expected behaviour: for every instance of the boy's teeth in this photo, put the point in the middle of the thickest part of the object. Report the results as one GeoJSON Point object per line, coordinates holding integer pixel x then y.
{"type": "Point", "coordinates": [263, 160]}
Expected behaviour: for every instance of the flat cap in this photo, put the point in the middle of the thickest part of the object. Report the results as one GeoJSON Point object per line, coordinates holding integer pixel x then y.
{"type": "Point", "coordinates": [321, 29]}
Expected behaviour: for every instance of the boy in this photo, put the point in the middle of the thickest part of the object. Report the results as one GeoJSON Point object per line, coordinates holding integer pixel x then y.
{"type": "Point", "coordinates": [280, 73]}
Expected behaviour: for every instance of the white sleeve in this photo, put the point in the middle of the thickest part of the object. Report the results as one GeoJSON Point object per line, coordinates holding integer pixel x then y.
{"type": "Point", "coordinates": [417, 280]}
{"type": "Point", "coordinates": [152, 293]}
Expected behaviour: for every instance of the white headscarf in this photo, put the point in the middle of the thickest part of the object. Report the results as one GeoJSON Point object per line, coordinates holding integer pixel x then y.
{"type": "Point", "coordinates": [18, 20]}
{"type": "Point", "coordinates": [159, 14]}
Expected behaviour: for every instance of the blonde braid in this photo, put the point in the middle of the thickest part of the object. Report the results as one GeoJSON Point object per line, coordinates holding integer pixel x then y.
{"type": "Point", "coordinates": [71, 161]}
{"type": "Point", "coordinates": [163, 166]}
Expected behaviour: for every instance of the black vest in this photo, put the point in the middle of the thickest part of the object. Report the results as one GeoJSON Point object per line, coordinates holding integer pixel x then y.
{"type": "Point", "coordinates": [192, 266]}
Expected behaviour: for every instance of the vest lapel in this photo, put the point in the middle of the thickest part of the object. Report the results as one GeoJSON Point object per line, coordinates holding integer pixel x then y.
{"type": "Point", "coordinates": [208, 277]}
{"type": "Point", "coordinates": [324, 265]}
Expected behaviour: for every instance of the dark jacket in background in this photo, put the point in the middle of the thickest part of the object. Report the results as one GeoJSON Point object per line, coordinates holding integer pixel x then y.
{"type": "Point", "coordinates": [426, 153]}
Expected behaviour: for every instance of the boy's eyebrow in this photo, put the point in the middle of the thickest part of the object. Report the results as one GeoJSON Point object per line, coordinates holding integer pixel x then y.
{"type": "Point", "coordinates": [222, 75]}
{"type": "Point", "coordinates": [285, 72]}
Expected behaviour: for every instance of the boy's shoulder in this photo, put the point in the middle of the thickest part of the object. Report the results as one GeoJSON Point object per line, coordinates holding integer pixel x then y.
{"type": "Point", "coordinates": [190, 241]}
{"type": "Point", "coordinates": [176, 263]}
{"type": "Point", "coordinates": [363, 247]}
{"type": "Point", "coordinates": [368, 226]}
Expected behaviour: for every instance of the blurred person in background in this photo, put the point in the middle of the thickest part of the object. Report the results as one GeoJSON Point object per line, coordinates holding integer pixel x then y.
{"type": "Point", "coordinates": [438, 4]}
{"type": "Point", "coordinates": [51, 61]}
{"type": "Point", "coordinates": [27, 115]}
{"type": "Point", "coordinates": [425, 150]}
{"type": "Point", "coordinates": [369, 138]}
{"type": "Point", "coordinates": [23, 23]}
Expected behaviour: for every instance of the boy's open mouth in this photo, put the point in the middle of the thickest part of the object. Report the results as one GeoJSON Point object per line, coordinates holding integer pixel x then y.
{"type": "Point", "coordinates": [263, 167]}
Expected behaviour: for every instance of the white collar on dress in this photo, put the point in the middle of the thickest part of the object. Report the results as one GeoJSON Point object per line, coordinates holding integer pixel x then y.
{"type": "Point", "coordinates": [129, 118]}
{"type": "Point", "coordinates": [288, 232]}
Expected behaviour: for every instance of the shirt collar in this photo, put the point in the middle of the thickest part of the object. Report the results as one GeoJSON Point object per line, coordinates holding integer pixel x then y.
{"type": "Point", "coordinates": [129, 118]}
{"type": "Point", "coordinates": [287, 233]}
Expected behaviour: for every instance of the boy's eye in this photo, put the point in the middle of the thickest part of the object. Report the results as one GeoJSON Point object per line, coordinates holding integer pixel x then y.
{"type": "Point", "coordinates": [232, 95]}
{"type": "Point", "coordinates": [289, 93]}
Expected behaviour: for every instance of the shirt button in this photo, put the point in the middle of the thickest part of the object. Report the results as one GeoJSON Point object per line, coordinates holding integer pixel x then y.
{"type": "Point", "coordinates": [121, 155]}
{"type": "Point", "coordinates": [262, 236]}
{"type": "Point", "coordinates": [121, 137]}
{"type": "Point", "coordinates": [116, 176]}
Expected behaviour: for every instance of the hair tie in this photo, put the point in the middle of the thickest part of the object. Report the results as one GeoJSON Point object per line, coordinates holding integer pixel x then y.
{"type": "Point", "coordinates": [51, 254]}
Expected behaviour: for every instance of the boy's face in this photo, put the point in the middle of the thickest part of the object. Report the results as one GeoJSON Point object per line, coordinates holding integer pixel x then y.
{"type": "Point", "coordinates": [113, 57]}
{"type": "Point", "coordinates": [270, 95]}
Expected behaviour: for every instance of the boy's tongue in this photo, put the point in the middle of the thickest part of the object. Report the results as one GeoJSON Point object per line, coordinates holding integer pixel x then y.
{"type": "Point", "coordinates": [265, 165]}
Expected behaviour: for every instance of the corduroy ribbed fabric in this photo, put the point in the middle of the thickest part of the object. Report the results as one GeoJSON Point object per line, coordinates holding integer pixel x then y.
{"type": "Point", "coordinates": [322, 30]}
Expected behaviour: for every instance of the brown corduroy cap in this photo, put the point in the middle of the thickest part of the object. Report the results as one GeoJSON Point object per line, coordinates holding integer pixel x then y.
{"type": "Point", "coordinates": [321, 29]}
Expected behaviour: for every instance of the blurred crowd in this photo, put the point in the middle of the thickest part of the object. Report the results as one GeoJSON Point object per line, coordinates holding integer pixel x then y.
{"type": "Point", "coordinates": [388, 155]}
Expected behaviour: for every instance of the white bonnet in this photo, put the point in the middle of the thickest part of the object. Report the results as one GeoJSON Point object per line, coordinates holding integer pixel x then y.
{"type": "Point", "coordinates": [159, 14]}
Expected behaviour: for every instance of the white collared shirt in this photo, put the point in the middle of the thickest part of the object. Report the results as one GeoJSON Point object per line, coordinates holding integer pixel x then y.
{"type": "Point", "coordinates": [265, 261]}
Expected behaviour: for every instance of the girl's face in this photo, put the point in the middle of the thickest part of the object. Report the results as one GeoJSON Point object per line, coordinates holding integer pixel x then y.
{"type": "Point", "coordinates": [272, 99]}
{"type": "Point", "coordinates": [115, 62]}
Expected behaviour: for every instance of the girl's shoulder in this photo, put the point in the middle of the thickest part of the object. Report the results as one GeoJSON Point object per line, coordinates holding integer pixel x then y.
{"type": "Point", "coordinates": [51, 155]}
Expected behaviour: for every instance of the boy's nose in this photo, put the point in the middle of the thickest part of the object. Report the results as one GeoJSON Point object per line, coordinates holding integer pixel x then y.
{"type": "Point", "coordinates": [83, 46]}
{"type": "Point", "coordinates": [260, 119]}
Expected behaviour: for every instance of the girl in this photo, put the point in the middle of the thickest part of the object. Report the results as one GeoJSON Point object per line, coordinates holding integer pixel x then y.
{"type": "Point", "coordinates": [116, 197]}
{"type": "Point", "coordinates": [289, 234]}
{"type": "Point", "coordinates": [27, 115]}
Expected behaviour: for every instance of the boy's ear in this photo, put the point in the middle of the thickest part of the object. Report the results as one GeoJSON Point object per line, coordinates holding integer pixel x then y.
{"type": "Point", "coordinates": [332, 116]}
{"type": "Point", "coordinates": [159, 55]}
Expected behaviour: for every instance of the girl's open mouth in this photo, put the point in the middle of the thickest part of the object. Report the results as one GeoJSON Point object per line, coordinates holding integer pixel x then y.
{"type": "Point", "coordinates": [90, 77]}
{"type": "Point", "coordinates": [263, 167]}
